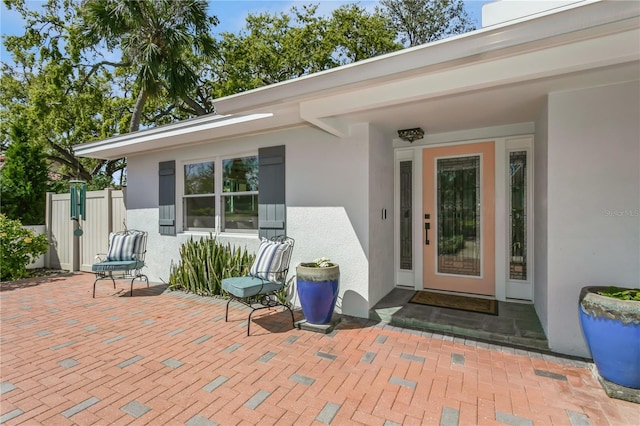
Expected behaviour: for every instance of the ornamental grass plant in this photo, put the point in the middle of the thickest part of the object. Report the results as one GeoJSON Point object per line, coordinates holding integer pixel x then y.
{"type": "Point", "coordinates": [204, 263]}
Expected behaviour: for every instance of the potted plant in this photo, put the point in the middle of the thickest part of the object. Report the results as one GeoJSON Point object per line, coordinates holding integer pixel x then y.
{"type": "Point", "coordinates": [610, 319]}
{"type": "Point", "coordinates": [318, 283]}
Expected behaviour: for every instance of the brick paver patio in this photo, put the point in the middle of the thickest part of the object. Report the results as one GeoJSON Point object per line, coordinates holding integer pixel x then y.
{"type": "Point", "coordinates": [168, 358]}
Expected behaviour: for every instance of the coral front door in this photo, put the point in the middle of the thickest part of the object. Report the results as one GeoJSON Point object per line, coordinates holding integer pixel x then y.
{"type": "Point", "coordinates": [458, 213]}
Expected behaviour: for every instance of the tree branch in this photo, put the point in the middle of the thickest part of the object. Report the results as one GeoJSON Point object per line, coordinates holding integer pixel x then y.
{"type": "Point", "coordinates": [196, 107]}
{"type": "Point", "coordinates": [163, 113]}
{"type": "Point", "coordinates": [97, 168]}
{"type": "Point", "coordinates": [95, 67]}
{"type": "Point", "coordinates": [68, 159]}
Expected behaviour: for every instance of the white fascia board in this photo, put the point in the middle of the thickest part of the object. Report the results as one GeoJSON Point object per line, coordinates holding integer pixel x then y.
{"type": "Point", "coordinates": [174, 132]}
{"type": "Point", "coordinates": [613, 49]}
{"type": "Point", "coordinates": [507, 37]}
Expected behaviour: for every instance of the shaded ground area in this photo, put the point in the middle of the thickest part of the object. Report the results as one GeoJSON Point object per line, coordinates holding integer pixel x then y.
{"type": "Point", "coordinates": [516, 323]}
{"type": "Point", "coordinates": [38, 276]}
{"type": "Point", "coordinates": [169, 358]}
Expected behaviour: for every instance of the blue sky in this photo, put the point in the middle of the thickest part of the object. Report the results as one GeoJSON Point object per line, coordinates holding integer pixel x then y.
{"type": "Point", "coordinates": [232, 13]}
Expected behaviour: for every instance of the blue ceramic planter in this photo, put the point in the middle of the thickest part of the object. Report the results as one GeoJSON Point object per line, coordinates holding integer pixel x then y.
{"type": "Point", "coordinates": [318, 291]}
{"type": "Point", "coordinates": [612, 330]}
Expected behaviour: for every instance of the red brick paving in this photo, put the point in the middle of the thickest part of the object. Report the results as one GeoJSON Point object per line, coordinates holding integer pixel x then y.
{"type": "Point", "coordinates": [411, 379]}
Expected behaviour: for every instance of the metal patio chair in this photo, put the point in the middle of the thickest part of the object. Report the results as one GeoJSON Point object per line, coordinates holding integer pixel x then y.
{"type": "Point", "coordinates": [267, 277]}
{"type": "Point", "coordinates": [126, 254]}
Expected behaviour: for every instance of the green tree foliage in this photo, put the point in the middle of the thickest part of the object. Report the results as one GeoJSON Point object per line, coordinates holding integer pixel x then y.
{"type": "Point", "coordinates": [155, 39]}
{"type": "Point", "coordinates": [63, 81]}
{"type": "Point", "coordinates": [88, 70]}
{"type": "Point", "coordinates": [51, 87]}
{"type": "Point", "coordinates": [355, 34]}
{"type": "Point", "coordinates": [23, 179]}
{"type": "Point", "coordinates": [279, 47]}
{"type": "Point", "coordinates": [423, 21]}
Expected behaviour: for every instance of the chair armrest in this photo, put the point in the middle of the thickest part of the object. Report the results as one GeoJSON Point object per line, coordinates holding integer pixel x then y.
{"type": "Point", "coordinates": [100, 257]}
{"type": "Point", "coordinates": [139, 256]}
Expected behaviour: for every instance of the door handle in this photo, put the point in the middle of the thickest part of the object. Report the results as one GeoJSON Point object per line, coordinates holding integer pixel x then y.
{"type": "Point", "coordinates": [427, 226]}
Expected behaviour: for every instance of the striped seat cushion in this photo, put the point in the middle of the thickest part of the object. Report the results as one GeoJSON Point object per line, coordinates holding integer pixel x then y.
{"type": "Point", "coordinates": [271, 260]}
{"type": "Point", "coordinates": [122, 246]}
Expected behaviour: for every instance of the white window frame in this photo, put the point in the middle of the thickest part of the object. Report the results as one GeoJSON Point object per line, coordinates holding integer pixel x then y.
{"type": "Point", "coordinates": [217, 194]}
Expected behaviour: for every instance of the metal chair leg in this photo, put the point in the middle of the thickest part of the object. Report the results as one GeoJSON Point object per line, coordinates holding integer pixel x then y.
{"type": "Point", "coordinates": [226, 314]}
{"type": "Point", "coordinates": [100, 278]}
{"type": "Point", "coordinates": [134, 278]}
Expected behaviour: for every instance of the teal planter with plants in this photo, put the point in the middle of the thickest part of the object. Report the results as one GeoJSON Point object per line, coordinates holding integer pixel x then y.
{"type": "Point", "coordinates": [318, 284]}
{"type": "Point", "coordinates": [610, 319]}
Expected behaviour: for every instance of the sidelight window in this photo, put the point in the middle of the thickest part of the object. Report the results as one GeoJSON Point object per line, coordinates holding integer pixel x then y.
{"type": "Point", "coordinates": [518, 215]}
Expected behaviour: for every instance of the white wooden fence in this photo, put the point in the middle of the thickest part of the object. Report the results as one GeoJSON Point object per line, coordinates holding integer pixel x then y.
{"type": "Point", "coordinates": [105, 211]}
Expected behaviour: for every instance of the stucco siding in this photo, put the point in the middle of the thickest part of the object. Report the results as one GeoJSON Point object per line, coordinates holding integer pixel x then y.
{"type": "Point", "coordinates": [593, 201]}
{"type": "Point", "coordinates": [381, 217]}
{"type": "Point", "coordinates": [540, 163]}
{"type": "Point", "coordinates": [327, 213]}
{"type": "Point", "coordinates": [327, 196]}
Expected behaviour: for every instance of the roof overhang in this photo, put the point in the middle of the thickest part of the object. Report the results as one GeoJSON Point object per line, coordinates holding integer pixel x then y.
{"type": "Point", "coordinates": [585, 43]}
{"type": "Point", "coordinates": [181, 133]}
{"type": "Point", "coordinates": [585, 20]}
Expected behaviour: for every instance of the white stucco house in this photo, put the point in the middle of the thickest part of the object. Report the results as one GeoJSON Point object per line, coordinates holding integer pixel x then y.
{"type": "Point", "coordinates": [525, 185]}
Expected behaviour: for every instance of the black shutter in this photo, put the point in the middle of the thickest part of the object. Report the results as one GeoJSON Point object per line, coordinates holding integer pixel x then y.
{"type": "Point", "coordinates": [167, 197]}
{"type": "Point", "coordinates": [271, 197]}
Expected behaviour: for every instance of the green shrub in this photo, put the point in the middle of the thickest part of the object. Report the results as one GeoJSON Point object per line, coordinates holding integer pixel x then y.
{"type": "Point", "coordinates": [204, 263]}
{"type": "Point", "coordinates": [19, 247]}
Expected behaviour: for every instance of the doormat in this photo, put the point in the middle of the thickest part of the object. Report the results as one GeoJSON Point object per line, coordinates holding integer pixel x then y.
{"type": "Point", "coordinates": [452, 301]}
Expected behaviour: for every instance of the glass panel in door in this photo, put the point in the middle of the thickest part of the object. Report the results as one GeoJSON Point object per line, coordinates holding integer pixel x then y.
{"type": "Point", "coordinates": [459, 215]}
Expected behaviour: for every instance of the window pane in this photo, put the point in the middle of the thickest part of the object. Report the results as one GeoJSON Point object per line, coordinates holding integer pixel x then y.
{"type": "Point", "coordinates": [459, 216]}
{"type": "Point", "coordinates": [406, 232]}
{"type": "Point", "coordinates": [518, 216]}
{"type": "Point", "coordinates": [240, 174]}
{"type": "Point", "coordinates": [199, 212]}
{"type": "Point", "coordinates": [240, 212]}
{"type": "Point", "coordinates": [198, 178]}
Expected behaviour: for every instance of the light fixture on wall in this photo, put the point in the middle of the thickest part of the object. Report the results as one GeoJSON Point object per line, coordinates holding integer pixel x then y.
{"type": "Point", "coordinates": [411, 135]}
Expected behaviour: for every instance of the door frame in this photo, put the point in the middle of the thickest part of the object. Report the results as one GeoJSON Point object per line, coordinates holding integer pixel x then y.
{"type": "Point", "coordinates": [505, 289]}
